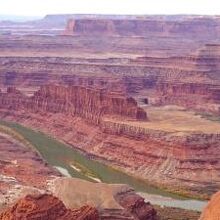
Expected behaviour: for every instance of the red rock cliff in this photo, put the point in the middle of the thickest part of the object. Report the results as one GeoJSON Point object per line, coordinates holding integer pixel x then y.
{"type": "Point", "coordinates": [202, 97]}
{"type": "Point", "coordinates": [90, 104]}
{"type": "Point", "coordinates": [46, 207]}
{"type": "Point", "coordinates": [200, 90]}
{"type": "Point", "coordinates": [190, 26]}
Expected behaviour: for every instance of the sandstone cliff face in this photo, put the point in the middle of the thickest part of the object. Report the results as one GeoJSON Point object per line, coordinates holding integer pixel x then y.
{"type": "Point", "coordinates": [201, 97]}
{"type": "Point", "coordinates": [46, 207]}
{"type": "Point", "coordinates": [29, 186]}
{"type": "Point", "coordinates": [64, 112]}
{"type": "Point", "coordinates": [143, 27]}
{"type": "Point", "coordinates": [124, 25]}
{"type": "Point", "coordinates": [189, 159]}
{"type": "Point", "coordinates": [185, 162]}
{"type": "Point", "coordinates": [201, 89]}
{"type": "Point", "coordinates": [89, 104]}
{"type": "Point", "coordinates": [125, 64]}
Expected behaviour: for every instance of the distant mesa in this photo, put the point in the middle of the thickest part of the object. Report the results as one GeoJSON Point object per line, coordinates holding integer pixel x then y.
{"type": "Point", "coordinates": [144, 25]}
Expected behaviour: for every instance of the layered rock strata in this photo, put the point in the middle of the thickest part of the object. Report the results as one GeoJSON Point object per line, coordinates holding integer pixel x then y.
{"type": "Point", "coordinates": [172, 71]}
{"type": "Point", "coordinates": [144, 26]}
{"type": "Point", "coordinates": [46, 207]}
{"type": "Point", "coordinates": [21, 164]}
{"type": "Point", "coordinates": [26, 178]}
{"type": "Point", "coordinates": [201, 97]}
{"type": "Point", "coordinates": [212, 210]}
{"type": "Point", "coordinates": [114, 137]}
{"type": "Point", "coordinates": [87, 103]}
{"type": "Point", "coordinates": [200, 91]}
{"type": "Point", "coordinates": [120, 25]}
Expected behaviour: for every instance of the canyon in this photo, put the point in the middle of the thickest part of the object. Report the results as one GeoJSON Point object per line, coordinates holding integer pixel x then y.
{"type": "Point", "coordinates": [145, 25]}
{"type": "Point", "coordinates": [32, 207]}
{"type": "Point", "coordinates": [138, 93]}
{"type": "Point", "coordinates": [72, 101]}
{"type": "Point", "coordinates": [180, 77]}
{"type": "Point", "coordinates": [29, 185]}
{"type": "Point", "coordinates": [76, 116]}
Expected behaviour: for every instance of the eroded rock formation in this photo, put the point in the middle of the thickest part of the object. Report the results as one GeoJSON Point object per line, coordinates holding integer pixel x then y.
{"type": "Point", "coordinates": [46, 207]}
{"type": "Point", "coordinates": [121, 25]}
{"type": "Point", "coordinates": [200, 91]}
{"type": "Point", "coordinates": [25, 176]}
{"type": "Point", "coordinates": [144, 26]}
{"type": "Point", "coordinates": [87, 103]}
{"type": "Point", "coordinates": [200, 97]}
{"type": "Point", "coordinates": [126, 142]}
{"type": "Point", "coordinates": [184, 73]}
{"type": "Point", "coordinates": [161, 60]}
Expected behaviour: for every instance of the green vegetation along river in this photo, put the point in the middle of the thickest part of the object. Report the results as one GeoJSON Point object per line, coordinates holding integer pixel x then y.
{"type": "Point", "coordinates": [70, 162]}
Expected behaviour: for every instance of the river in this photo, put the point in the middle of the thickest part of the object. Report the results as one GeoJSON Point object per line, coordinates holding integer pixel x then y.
{"type": "Point", "coordinates": [72, 163]}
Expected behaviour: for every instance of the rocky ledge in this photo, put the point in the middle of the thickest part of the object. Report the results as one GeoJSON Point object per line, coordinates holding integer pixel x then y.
{"type": "Point", "coordinates": [31, 189]}
{"type": "Point", "coordinates": [199, 96]}
{"type": "Point", "coordinates": [111, 126]}
{"type": "Point", "coordinates": [90, 104]}
{"type": "Point", "coordinates": [46, 207]}
{"type": "Point", "coordinates": [143, 26]}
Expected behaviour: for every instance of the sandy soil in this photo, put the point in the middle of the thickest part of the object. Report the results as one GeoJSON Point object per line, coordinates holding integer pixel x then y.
{"type": "Point", "coordinates": [174, 119]}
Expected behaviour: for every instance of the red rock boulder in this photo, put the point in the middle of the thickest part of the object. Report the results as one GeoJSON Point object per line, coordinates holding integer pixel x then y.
{"type": "Point", "coordinates": [46, 207]}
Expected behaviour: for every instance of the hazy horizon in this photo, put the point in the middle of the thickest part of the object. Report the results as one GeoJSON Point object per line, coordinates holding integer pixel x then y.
{"type": "Point", "coordinates": [23, 18]}
{"type": "Point", "coordinates": [40, 8]}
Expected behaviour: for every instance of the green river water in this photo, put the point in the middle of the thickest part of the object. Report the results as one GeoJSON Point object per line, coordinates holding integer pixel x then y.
{"type": "Point", "coordinates": [61, 156]}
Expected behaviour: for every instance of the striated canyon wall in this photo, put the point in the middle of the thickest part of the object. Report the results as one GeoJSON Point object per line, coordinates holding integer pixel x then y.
{"type": "Point", "coordinates": [144, 26]}
{"type": "Point", "coordinates": [166, 70]}
{"type": "Point", "coordinates": [87, 103]}
{"type": "Point", "coordinates": [199, 91]}
{"type": "Point", "coordinates": [117, 134]}
{"type": "Point", "coordinates": [46, 207]}
{"type": "Point", "coordinates": [28, 186]}
{"type": "Point", "coordinates": [197, 96]}
{"type": "Point", "coordinates": [122, 25]}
